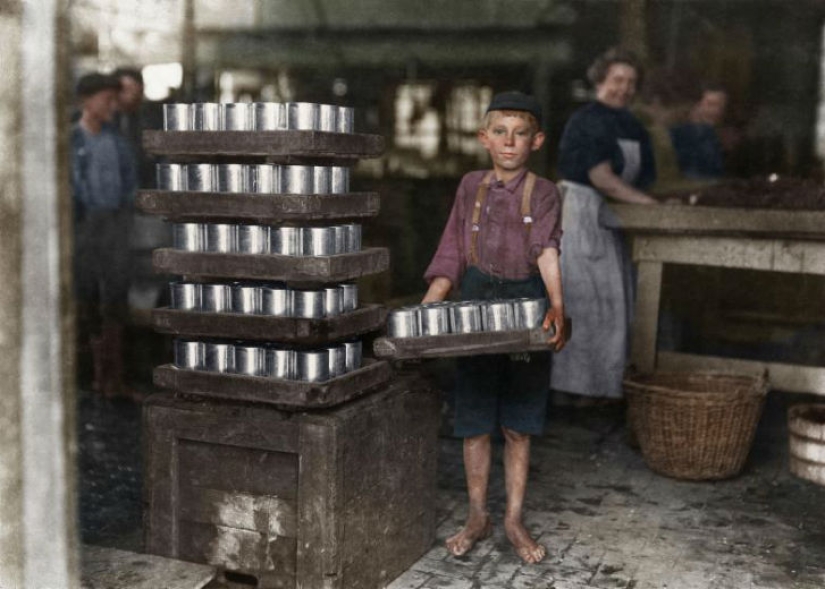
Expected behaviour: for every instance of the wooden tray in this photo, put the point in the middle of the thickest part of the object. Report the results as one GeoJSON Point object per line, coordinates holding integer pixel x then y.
{"type": "Point", "coordinates": [260, 208]}
{"type": "Point", "coordinates": [262, 327]}
{"type": "Point", "coordinates": [465, 344]}
{"type": "Point", "coordinates": [287, 394]}
{"type": "Point", "coordinates": [292, 269]}
{"type": "Point", "coordinates": [280, 146]}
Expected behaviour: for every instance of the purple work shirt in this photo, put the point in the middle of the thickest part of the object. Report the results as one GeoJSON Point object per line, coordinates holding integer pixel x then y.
{"type": "Point", "coordinates": [504, 248]}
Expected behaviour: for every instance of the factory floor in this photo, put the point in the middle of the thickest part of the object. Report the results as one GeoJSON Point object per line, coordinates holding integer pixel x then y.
{"type": "Point", "coordinates": [610, 522]}
{"type": "Point", "coordinates": [606, 519]}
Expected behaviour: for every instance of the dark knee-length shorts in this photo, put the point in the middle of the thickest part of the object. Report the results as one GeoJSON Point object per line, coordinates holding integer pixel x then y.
{"type": "Point", "coordinates": [495, 391]}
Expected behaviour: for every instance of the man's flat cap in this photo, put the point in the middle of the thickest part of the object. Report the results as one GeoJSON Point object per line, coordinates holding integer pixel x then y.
{"type": "Point", "coordinates": [91, 84]}
{"type": "Point", "coordinates": [516, 101]}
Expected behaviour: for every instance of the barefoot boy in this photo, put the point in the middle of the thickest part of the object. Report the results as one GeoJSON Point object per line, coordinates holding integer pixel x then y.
{"type": "Point", "coordinates": [502, 241]}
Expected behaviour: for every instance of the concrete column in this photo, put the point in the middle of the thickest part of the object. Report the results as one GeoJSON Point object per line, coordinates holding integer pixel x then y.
{"type": "Point", "coordinates": [38, 530]}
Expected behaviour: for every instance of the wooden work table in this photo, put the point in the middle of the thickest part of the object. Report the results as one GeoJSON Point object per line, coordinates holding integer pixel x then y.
{"type": "Point", "coordinates": [753, 239]}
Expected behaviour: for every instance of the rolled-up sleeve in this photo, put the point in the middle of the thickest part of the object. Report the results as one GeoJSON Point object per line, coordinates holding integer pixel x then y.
{"type": "Point", "coordinates": [546, 231]}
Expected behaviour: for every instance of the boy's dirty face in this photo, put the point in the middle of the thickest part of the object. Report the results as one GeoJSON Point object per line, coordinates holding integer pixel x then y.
{"type": "Point", "coordinates": [509, 139]}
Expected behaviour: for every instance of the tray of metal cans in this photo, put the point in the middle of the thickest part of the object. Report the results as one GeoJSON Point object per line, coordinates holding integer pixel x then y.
{"type": "Point", "coordinates": [255, 191]}
{"type": "Point", "coordinates": [272, 373]}
{"type": "Point", "coordinates": [466, 328]}
{"type": "Point", "coordinates": [271, 129]}
{"type": "Point", "coordinates": [263, 252]}
{"type": "Point", "coordinates": [267, 311]}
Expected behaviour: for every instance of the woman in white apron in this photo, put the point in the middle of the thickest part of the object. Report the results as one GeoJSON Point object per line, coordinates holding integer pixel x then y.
{"type": "Point", "coordinates": [605, 154]}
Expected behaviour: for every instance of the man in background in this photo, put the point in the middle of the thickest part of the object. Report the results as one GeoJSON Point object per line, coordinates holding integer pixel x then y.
{"type": "Point", "coordinates": [103, 183]}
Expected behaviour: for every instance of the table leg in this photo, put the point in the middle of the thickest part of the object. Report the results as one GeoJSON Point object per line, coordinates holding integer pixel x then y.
{"type": "Point", "coordinates": [646, 319]}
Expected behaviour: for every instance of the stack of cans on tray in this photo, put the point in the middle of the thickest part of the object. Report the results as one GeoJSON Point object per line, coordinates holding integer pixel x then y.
{"type": "Point", "coordinates": [466, 317]}
{"type": "Point", "coordinates": [253, 178]}
{"type": "Point", "coordinates": [258, 116]}
{"type": "Point", "coordinates": [256, 298]}
{"type": "Point", "coordinates": [227, 238]}
{"type": "Point", "coordinates": [268, 360]}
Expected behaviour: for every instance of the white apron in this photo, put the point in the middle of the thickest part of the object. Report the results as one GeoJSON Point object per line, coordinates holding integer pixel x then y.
{"type": "Point", "coordinates": [598, 297]}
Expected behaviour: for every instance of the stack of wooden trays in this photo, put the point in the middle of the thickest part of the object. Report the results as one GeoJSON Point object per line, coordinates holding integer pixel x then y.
{"type": "Point", "coordinates": [277, 147]}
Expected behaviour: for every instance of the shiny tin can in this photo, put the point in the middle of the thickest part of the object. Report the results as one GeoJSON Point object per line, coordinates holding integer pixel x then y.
{"type": "Point", "coordinates": [177, 117]}
{"type": "Point", "coordinates": [170, 177]}
{"type": "Point", "coordinates": [268, 116]}
{"type": "Point", "coordinates": [206, 116]}
{"type": "Point", "coordinates": [302, 116]}
{"type": "Point", "coordinates": [188, 237]}
{"type": "Point", "coordinates": [216, 298]}
{"type": "Point", "coordinates": [246, 299]}
{"type": "Point", "coordinates": [219, 357]}
{"type": "Point", "coordinates": [312, 366]}
{"type": "Point", "coordinates": [236, 116]}
{"type": "Point", "coordinates": [189, 354]}
{"type": "Point", "coordinates": [185, 296]}
{"type": "Point", "coordinates": [286, 241]}
{"type": "Point", "coordinates": [221, 238]}
{"type": "Point", "coordinates": [253, 239]}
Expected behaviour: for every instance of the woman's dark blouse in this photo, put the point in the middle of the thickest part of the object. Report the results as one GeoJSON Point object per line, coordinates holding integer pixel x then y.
{"type": "Point", "coordinates": [591, 137]}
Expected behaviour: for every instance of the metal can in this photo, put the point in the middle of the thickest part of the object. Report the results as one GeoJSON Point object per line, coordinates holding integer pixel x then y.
{"type": "Point", "coordinates": [253, 239]}
{"type": "Point", "coordinates": [339, 179]}
{"type": "Point", "coordinates": [308, 304]}
{"type": "Point", "coordinates": [231, 178]}
{"type": "Point", "coordinates": [185, 296]}
{"type": "Point", "coordinates": [286, 241]}
{"type": "Point", "coordinates": [221, 238]}
{"type": "Point", "coordinates": [276, 301]}
{"type": "Point", "coordinates": [246, 299]}
{"type": "Point", "coordinates": [220, 357]}
{"type": "Point", "coordinates": [250, 360]}
{"type": "Point", "coordinates": [188, 237]}
{"type": "Point", "coordinates": [312, 366]}
{"type": "Point", "coordinates": [205, 116]}
{"type": "Point", "coordinates": [302, 116]}
{"type": "Point", "coordinates": [264, 178]}
{"type": "Point", "coordinates": [236, 116]}
{"type": "Point", "coordinates": [268, 116]}
{"type": "Point", "coordinates": [346, 119]}
{"type": "Point", "coordinates": [189, 354]}
{"type": "Point", "coordinates": [216, 298]}
{"type": "Point", "coordinates": [320, 180]}
{"type": "Point", "coordinates": [296, 179]}
{"type": "Point", "coordinates": [170, 177]}
{"type": "Point", "coordinates": [177, 117]}
{"type": "Point", "coordinates": [327, 118]}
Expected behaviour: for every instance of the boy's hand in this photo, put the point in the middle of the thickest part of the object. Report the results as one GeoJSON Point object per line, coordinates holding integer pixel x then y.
{"type": "Point", "coordinates": [555, 317]}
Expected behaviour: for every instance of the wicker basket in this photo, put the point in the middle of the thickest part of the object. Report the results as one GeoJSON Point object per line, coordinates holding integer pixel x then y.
{"type": "Point", "coordinates": [696, 426]}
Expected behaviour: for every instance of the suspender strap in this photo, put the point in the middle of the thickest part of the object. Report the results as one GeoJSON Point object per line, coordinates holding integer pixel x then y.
{"type": "Point", "coordinates": [481, 196]}
{"type": "Point", "coordinates": [529, 184]}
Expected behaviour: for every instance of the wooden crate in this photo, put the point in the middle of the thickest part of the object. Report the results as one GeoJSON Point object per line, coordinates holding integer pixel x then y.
{"type": "Point", "coordinates": [331, 499]}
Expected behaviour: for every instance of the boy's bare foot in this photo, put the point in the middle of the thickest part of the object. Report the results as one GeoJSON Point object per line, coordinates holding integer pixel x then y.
{"type": "Point", "coordinates": [528, 549]}
{"type": "Point", "coordinates": [477, 528]}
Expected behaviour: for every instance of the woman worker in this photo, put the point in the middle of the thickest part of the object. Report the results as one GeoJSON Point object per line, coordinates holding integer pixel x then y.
{"type": "Point", "coordinates": [605, 153]}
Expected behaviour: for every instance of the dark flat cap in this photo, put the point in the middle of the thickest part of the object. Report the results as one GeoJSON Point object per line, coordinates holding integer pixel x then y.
{"type": "Point", "coordinates": [516, 101]}
{"type": "Point", "coordinates": [91, 84]}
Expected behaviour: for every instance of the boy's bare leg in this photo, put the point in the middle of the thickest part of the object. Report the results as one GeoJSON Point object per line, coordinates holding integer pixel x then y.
{"type": "Point", "coordinates": [477, 469]}
{"type": "Point", "coordinates": [516, 465]}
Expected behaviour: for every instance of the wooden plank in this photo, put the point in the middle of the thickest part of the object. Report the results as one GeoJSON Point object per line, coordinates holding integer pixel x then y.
{"type": "Point", "coordinates": [466, 344]}
{"type": "Point", "coordinates": [292, 269]}
{"type": "Point", "coordinates": [257, 208]}
{"type": "Point", "coordinates": [286, 394]}
{"type": "Point", "coordinates": [270, 515]}
{"type": "Point", "coordinates": [783, 377]}
{"type": "Point", "coordinates": [801, 257]}
{"type": "Point", "coordinates": [245, 470]}
{"type": "Point", "coordinates": [365, 319]}
{"type": "Point", "coordinates": [270, 560]}
{"type": "Point", "coordinates": [274, 145]}
{"type": "Point", "coordinates": [646, 319]}
{"type": "Point", "coordinates": [703, 220]}
{"type": "Point", "coordinates": [319, 486]}
{"type": "Point", "coordinates": [109, 568]}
